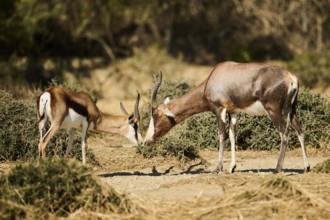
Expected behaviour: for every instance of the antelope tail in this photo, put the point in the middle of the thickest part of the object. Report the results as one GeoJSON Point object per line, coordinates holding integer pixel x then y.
{"type": "Point", "coordinates": [292, 94]}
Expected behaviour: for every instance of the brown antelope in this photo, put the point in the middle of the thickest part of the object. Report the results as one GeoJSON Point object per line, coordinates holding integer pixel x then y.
{"type": "Point", "coordinates": [65, 108]}
{"type": "Point", "coordinates": [256, 89]}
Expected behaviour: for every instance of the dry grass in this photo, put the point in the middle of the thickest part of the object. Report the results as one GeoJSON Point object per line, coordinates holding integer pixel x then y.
{"type": "Point", "coordinates": [271, 197]}
{"type": "Point", "coordinates": [43, 189]}
{"type": "Point", "coordinates": [323, 167]}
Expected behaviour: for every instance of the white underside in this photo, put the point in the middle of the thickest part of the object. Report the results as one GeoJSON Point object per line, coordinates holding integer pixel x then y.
{"type": "Point", "coordinates": [73, 120]}
{"type": "Point", "coordinates": [255, 109]}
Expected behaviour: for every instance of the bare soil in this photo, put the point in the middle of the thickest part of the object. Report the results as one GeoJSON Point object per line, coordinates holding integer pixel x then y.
{"type": "Point", "coordinates": [166, 178]}
{"type": "Point", "coordinates": [164, 185]}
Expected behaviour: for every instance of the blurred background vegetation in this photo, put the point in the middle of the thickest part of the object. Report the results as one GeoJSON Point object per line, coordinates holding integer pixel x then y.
{"type": "Point", "coordinates": [40, 39]}
{"type": "Point", "coordinates": [44, 40]}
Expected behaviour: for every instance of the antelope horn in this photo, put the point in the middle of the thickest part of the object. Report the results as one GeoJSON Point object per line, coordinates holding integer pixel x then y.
{"type": "Point", "coordinates": [123, 108]}
{"type": "Point", "coordinates": [155, 89]}
{"type": "Point", "coordinates": [136, 108]}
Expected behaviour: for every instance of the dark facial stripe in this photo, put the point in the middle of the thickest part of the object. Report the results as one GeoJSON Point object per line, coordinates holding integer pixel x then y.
{"type": "Point", "coordinates": [136, 127]}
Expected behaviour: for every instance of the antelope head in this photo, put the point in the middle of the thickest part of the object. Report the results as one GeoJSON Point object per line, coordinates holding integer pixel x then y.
{"type": "Point", "coordinates": [131, 130]}
{"type": "Point", "coordinates": [162, 118]}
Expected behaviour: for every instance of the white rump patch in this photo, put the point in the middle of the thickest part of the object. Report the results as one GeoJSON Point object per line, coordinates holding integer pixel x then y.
{"type": "Point", "coordinates": [294, 82]}
{"type": "Point", "coordinates": [73, 120]}
{"type": "Point", "coordinates": [255, 109]}
{"type": "Point", "coordinates": [44, 105]}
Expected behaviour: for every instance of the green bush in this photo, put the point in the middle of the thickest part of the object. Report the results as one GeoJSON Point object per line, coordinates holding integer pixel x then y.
{"type": "Point", "coordinates": [171, 89]}
{"type": "Point", "coordinates": [312, 69]}
{"type": "Point", "coordinates": [58, 187]}
{"type": "Point", "coordinates": [323, 167]}
{"type": "Point", "coordinates": [253, 132]}
{"type": "Point", "coordinates": [19, 134]}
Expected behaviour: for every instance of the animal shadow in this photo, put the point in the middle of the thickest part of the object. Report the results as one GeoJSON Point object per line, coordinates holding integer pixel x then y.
{"type": "Point", "coordinates": [155, 172]}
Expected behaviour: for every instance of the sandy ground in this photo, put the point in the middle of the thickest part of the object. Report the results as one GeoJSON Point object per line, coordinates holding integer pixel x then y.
{"type": "Point", "coordinates": [167, 179]}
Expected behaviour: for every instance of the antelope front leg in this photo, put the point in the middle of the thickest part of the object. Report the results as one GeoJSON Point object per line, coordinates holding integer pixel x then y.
{"type": "Point", "coordinates": [70, 142]}
{"type": "Point", "coordinates": [221, 117]}
{"type": "Point", "coordinates": [232, 130]}
{"type": "Point", "coordinates": [83, 141]}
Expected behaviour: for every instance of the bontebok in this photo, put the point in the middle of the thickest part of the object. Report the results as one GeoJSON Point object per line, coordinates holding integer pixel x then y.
{"type": "Point", "coordinates": [256, 89]}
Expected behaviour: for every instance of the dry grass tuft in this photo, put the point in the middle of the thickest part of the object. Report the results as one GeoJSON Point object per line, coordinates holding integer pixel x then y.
{"type": "Point", "coordinates": [323, 167]}
{"type": "Point", "coordinates": [57, 188]}
{"type": "Point", "coordinates": [274, 197]}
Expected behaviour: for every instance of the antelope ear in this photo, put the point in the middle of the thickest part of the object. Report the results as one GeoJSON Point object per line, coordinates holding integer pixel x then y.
{"type": "Point", "coordinates": [167, 100]}
{"type": "Point", "coordinates": [131, 118]}
{"type": "Point", "coordinates": [168, 113]}
{"type": "Point", "coordinates": [122, 108]}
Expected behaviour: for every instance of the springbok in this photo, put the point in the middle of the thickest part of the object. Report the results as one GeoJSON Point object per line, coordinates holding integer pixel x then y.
{"type": "Point", "coordinates": [253, 88]}
{"type": "Point", "coordinates": [65, 108]}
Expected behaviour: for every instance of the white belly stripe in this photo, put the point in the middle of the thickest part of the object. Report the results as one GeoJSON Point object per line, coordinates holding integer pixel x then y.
{"type": "Point", "coordinates": [73, 120]}
{"type": "Point", "coordinates": [255, 109]}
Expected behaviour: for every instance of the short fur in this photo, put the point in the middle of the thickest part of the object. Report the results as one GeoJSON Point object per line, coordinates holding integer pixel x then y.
{"type": "Point", "coordinates": [84, 113]}
{"type": "Point", "coordinates": [231, 88]}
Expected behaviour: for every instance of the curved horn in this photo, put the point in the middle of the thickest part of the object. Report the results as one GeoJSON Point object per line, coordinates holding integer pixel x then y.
{"type": "Point", "coordinates": [155, 89]}
{"type": "Point", "coordinates": [136, 108]}
{"type": "Point", "coordinates": [123, 108]}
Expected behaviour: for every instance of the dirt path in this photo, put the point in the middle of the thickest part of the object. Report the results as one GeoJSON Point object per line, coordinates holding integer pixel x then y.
{"type": "Point", "coordinates": [167, 179]}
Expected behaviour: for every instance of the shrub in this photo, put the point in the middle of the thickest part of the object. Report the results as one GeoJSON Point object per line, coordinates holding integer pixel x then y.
{"type": "Point", "coordinates": [312, 69]}
{"type": "Point", "coordinates": [19, 134]}
{"type": "Point", "coordinates": [253, 132]}
{"type": "Point", "coordinates": [171, 89]}
{"type": "Point", "coordinates": [58, 187]}
{"type": "Point", "coordinates": [323, 167]}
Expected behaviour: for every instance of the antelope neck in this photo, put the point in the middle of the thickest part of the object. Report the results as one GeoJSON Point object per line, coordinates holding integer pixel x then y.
{"type": "Point", "coordinates": [110, 123]}
{"type": "Point", "coordinates": [189, 104]}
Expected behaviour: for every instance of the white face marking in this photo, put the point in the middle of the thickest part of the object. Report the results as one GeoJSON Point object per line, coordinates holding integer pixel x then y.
{"type": "Point", "coordinates": [150, 132]}
{"type": "Point", "coordinates": [131, 135]}
{"type": "Point", "coordinates": [168, 113]}
{"type": "Point", "coordinates": [73, 120]}
{"type": "Point", "coordinates": [255, 109]}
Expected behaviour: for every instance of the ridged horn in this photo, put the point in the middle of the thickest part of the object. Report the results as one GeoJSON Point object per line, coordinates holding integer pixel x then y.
{"type": "Point", "coordinates": [155, 89]}
{"type": "Point", "coordinates": [136, 108]}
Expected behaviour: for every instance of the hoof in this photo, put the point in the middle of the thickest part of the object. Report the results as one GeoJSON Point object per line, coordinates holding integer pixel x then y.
{"type": "Point", "coordinates": [216, 170]}
{"type": "Point", "coordinates": [307, 169]}
{"type": "Point", "coordinates": [232, 170]}
{"type": "Point", "coordinates": [277, 171]}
